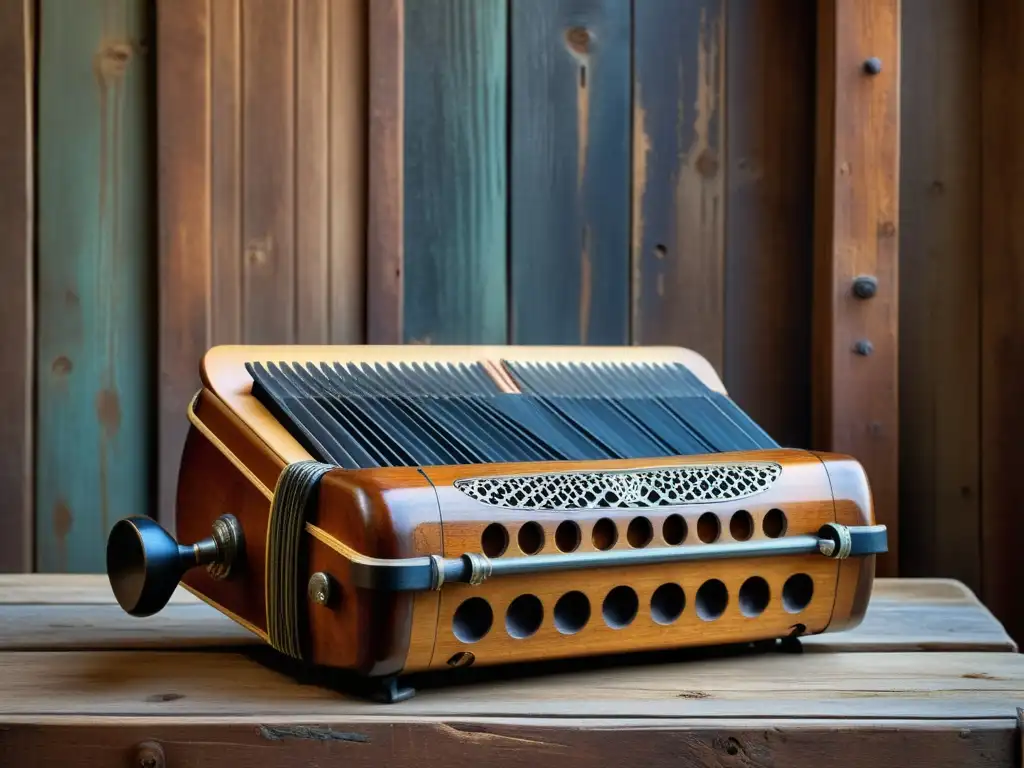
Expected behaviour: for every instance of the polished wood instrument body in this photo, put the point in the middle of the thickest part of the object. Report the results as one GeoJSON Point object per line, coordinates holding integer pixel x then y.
{"type": "Point", "coordinates": [512, 513]}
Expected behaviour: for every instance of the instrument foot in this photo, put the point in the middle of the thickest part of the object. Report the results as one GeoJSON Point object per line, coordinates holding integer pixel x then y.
{"type": "Point", "coordinates": [390, 691]}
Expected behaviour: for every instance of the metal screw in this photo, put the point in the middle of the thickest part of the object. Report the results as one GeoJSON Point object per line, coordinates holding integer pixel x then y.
{"type": "Point", "coordinates": [873, 65]}
{"type": "Point", "coordinates": [320, 588]}
{"type": "Point", "coordinates": [865, 286]}
{"type": "Point", "coordinates": [864, 347]}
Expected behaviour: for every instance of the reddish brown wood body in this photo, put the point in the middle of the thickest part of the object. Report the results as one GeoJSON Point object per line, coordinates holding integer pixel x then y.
{"type": "Point", "coordinates": [407, 512]}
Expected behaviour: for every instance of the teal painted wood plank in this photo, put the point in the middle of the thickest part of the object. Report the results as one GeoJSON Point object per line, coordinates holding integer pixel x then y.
{"type": "Point", "coordinates": [95, 262]}
{"type": "Point", "coordinates": [679, 175]}
{"type": "Point", "coordinates": [570, 171]}
{"type": "Point", "coordinates": [455, 151]}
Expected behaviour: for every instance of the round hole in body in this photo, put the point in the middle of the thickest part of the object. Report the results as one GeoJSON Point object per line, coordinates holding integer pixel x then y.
{"type": "Point", "coordinates": [673, 530]}
{"type": "Point", "coordinates": [754, 596]}
{"type": "Point", "coordinates": [639, 533]}
{"type": "Point", "coordinates": [774, 523]}
{"type": "Point", "coordinates": [741, 525]}
{"type": "Point", "coordinates": [667, 603]}
{"type": "Point", "coordinates": [709, 527]}
{"type": "Point", "coordinates": [572, 612]}
{"type": "Point", "coordinates": [531, 538]}
{"type": "Point", "coordinates": [568, 536]}
{"type": "Point", "coordinates": [712, 599]}
{"type": "Point", "coordinates": [620, 607]}
{"type": "Point", "coordinates": [494, 540]}
{"type": "Point", "coordinates": [461, 659]}
{"type": "Point", "coordinates": [472, 620]}
{"type": "Point", "coordinates": [524, 616]}
{"type": "Point", "coordinates": [797, 592]}
{"type": "Point", "coordinates": [605, 533]}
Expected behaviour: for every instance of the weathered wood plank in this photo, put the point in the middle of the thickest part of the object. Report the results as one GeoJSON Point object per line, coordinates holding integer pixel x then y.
{"type": "Point", "coordinates": [225, 117]}
{"type": "Point", "coordinates": [455, 230]}
{"type": "Point", "coordinates": [197, 683]}
{"type": "Point", "coordinates": [385, 234]}
{"type": "Point", "coordinates": [312, 195]}
{"type": "Point", "coordinates": [17, 267]}
{"type": "Point", "coordinates": [769, 213]}
{"type": "Point", "coordinates": [184, 200]}
{"type": "Point", "coordinates": [855, 395]}
{"type": "Point", "coordinates": [1002, 296]}
{"type": "Point", "coordinates": [927, 615]}
{"type": "Point", "coordinates": [347, 184]}
{"type": "Point", "coordinates": [94, 380]}
{"type": "Point", "coordinates": [262, 192]}
{"type": "Point", "coordinates": [678, 176]}
{"type": "Point", "coordinates": [467, 742]}
{"type": "Point", "coordinates": [569, 172]}
{"type": "Point", "coordinates": [268, 167]}
{"type": "Point", "coordinates": [940, 300]}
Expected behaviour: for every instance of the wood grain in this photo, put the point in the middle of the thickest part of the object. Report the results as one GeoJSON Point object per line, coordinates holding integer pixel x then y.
{"type": "Point", "coordinates": [465, 742]}
{"type": "Point", "coordinates": [678, 216]}
{"type": "Point", "coordinates": [769, 202]}
{"type": "Point", "coordinates": [1002, 291]}
{"type": "Point", "coordinates": [17, 267]}
{"type": "Point", "coordinates": [385, 233]}
{"type": "Point", "coordinates": [185, 216]}
{"type": "Point", "coordinates": [757, 687]}
{"type": "Point", "coordinates": [94, 380]}
{"type": "Point", "coordinates": [569, 172]}
{"type": "Point", "coordinates": [940, 297]}
{"type": "Point", "coordinates": [455, 172]}
{"type": "Point", "coordinates": [263, 140]}
{"type": "Point", "coordinates": [855, 397]}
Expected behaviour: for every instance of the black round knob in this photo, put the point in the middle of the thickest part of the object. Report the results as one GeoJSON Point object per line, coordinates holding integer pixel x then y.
{"type": "Point", "coordinates": [145, 563]}
{"type": "Point", "coordinates": [873, 65]}
{"type": "Point", "coordinates": [865, 286]}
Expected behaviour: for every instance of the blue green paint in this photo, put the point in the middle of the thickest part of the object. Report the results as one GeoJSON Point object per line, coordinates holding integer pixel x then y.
{"type": "Point", "coordinates": [455, 172]}
{"type": "Point", "coordinates": [95, 303]}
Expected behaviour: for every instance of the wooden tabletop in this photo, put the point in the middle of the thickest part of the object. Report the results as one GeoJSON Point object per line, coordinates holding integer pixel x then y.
{"type": "Point", "coordinates": [930, 678]}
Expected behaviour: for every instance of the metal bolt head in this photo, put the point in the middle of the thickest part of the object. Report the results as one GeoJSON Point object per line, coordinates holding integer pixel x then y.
{"type": "Point", "coordinates": [864, 347]}
{"type": "Point", "coordinates": [865, 286]}
{"type": "Point", "coordinates": [321, 588]}
{"type": "Point", "coordinates": [873, 65]}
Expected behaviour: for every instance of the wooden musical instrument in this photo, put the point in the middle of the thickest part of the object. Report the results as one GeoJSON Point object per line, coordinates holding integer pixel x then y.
{"type": "Point", "coordinates": [391, 510]}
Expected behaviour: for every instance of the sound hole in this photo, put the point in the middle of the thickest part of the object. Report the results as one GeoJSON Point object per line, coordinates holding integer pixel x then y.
{"type": "Point", "coordinates": [473, 620]}
{"type": "Point", "coordinates": [667, 603]}
{"type": "Point", "coordinates": [754, 596]}
{"type": "Point", "coordinates": [494, 540]}
{"type": "Point", "coordinates": [797, 592]}
{"type": "Point", "coordinates": [572, 612]}
{"type": "Point", "coordinates": [774, 523]}
{"type": "Point", "coordinates": [712, 599]}
{"type": "Point", "coordinates": [709, 527]}
{"type": "Point", "coordinates": [604, 534]}
{"type": "Point", "coordinates": [524, 616]}
{"type": "Point", "coordinates": [741, 526]}
{"type": "Point", "coordinates": [568, 536]}
{"type": "Point", "coordinates": [639, 533]}
{"type": "Point", "coordinates": [531, 538]}
{"type": "Point", "coordinates": [673, 530]}
{"type": "Point", "coordinates": [620, 607]}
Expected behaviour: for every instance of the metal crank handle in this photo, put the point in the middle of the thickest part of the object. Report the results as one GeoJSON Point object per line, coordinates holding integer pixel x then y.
{"type": "Point", "coordinates": [145, 563]}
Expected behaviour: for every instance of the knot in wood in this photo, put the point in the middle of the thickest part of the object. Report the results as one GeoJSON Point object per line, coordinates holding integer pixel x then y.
{"type": "Point", "coordinates": [149, 754]}
{"type": "Point", "coordinates": [578, 39]}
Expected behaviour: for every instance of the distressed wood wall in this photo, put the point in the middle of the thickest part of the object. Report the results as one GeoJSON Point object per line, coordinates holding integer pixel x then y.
{"type": "Point", "coordinates": [705, 173]}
